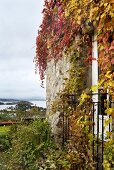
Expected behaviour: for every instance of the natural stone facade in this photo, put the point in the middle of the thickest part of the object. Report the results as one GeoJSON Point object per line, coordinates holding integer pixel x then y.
{"type": "Point", "coordinates": [55, 74]}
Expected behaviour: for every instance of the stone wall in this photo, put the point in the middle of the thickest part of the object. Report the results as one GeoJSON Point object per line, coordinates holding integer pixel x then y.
{"type": "Point", "coordinates": [55, 74]}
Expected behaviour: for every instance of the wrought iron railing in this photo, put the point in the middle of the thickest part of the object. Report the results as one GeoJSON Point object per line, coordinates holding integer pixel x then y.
{"type": "Point", "coordinates": [98, 129]}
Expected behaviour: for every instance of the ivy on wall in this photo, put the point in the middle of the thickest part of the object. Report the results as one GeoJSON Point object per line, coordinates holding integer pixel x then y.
{"type": "Point", "coordinates": [65, 19]}
{"type": "Point", "coordinates": [67, 29]}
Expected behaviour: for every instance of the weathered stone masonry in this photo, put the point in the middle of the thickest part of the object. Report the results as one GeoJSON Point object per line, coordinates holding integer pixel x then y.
{"type": "Point", "coordinates": [55, 73]}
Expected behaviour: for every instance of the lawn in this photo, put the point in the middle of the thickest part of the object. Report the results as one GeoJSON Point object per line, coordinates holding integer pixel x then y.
{"type": "Point", "coordinates": [4, 130]}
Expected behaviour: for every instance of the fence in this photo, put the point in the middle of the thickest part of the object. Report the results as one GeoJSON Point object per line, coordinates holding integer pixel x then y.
{"type": "Point", "coordinates": [99, 104]}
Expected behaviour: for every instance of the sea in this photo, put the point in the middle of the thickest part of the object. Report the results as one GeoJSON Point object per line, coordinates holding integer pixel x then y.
{"type": "Point", "coordinates": [40, 103]}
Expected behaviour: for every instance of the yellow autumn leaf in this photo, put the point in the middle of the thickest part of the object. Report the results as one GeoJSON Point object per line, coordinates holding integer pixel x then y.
{"type": "Point", "coordinates": [108, 74]}
{"type": "Point", "coordinates": [94, 88]}
{"type": "Point", "coordinates": [103, 15]}
{"type": "Point", "coordinates": [107, 122]}
{"type": "Point", "coordinates": [79, 20]}
{"type": "Point", "coordinates": [110, 111]}
{"type": "Point", "coordinates": [105, 4]}
{"type": "Point", "coordinates": [100, 83]}
{"type": "Point", "coordinates": [83, 97]}
{"type": "Point", "coordinates": [66, 13]}
{"type": "Point", "coordinates": [79, 11]}
{"type": "Point", "coordinates": [108, 133]}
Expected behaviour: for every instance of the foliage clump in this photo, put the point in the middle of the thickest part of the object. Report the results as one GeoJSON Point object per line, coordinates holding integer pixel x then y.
{"type": "Point", "coordinates": [29, 145]}
{"type": "Point", "coordinates": [64, 20]}
{"type": "Point", "coordinates": [67, 29]}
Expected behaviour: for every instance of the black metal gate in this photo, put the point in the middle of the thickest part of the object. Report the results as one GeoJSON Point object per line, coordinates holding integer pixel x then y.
{"type": "Point", "coordinates": [99, 117]}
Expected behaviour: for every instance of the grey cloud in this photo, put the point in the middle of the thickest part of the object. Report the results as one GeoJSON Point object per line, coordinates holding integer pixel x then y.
{"type": "Point", "coordinates": [19, 21]}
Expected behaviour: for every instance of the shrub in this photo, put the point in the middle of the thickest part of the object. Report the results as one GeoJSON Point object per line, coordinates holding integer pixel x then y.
{"type": "Point", "coordinates": [30, 146]}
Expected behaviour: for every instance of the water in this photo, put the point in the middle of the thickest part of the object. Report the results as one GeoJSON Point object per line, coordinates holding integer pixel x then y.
{"type": "Point", "coordinates": [35, 102]}
{"type": "Point", "coordinates": [39, 103]}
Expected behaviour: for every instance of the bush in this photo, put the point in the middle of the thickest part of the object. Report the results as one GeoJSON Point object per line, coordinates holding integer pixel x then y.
{"type": "Point", "coordinates": [4, 142]}
{"type": "Point", "coordinates": [30, 146]}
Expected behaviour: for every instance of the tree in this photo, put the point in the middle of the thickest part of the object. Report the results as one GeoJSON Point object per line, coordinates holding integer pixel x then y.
{"type": "Point", "coordinates": [23, 106]}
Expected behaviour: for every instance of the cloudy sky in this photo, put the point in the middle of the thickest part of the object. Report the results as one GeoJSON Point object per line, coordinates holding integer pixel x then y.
{"type": "Point", "coordinates": [19, 22]}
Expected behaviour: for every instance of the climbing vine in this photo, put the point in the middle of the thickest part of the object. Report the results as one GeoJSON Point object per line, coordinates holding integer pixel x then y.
{"type": "Point", "coordinates": [64, 20]}
{"type": "Point", "coordinates": [67, 30]}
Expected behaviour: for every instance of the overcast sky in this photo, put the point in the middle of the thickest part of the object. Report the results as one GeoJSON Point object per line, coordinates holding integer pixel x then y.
{"type": "Point", "coordinates": [19, 22]}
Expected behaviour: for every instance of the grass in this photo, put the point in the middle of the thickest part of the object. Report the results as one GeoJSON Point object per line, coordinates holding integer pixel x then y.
{"type": "Point", "coordinates": [3, 141]}
{"type": "Point", "coordinates": [4, 130]}
{"type": "Point", "coordinates": [3, 160]}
